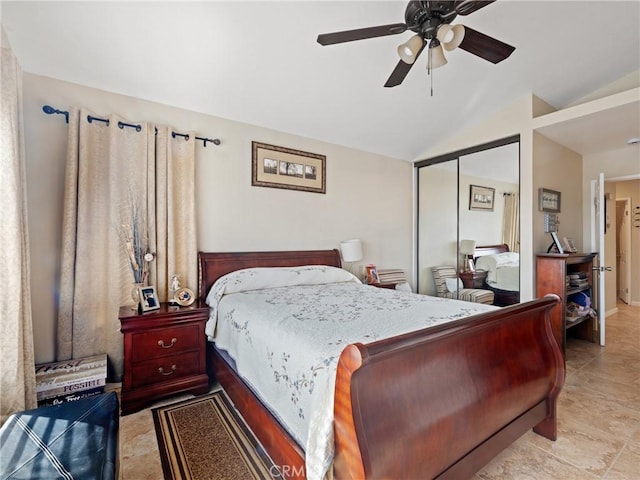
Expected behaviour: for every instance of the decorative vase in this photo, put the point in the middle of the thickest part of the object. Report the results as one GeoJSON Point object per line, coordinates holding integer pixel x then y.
{"type": "Point", "coordinates": [135, 294]}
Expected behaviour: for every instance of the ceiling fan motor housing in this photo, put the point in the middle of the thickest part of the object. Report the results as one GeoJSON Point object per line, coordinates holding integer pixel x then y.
{"type": "Point", "coordinates": [425, 17]}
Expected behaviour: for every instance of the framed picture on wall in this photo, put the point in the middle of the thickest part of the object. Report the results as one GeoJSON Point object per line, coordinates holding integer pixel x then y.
{"type": "Point", "coordinates": [548, 200]}
{"type": "Point", "coordinates": [280, 167]}
{"type": "Point", "coordinates": [481, 198]}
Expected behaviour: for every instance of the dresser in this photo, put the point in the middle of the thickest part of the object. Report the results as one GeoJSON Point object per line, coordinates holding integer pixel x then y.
{"type": "Point", "coordinates": [164, 354]}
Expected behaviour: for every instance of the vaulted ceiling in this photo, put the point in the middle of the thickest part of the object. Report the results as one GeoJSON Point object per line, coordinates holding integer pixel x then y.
{"type": "Point", "coordinates": [259, 62]}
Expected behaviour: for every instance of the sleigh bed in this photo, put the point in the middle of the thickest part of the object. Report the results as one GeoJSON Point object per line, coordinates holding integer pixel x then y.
{"type": "Point", "coordinates": [438, 402]}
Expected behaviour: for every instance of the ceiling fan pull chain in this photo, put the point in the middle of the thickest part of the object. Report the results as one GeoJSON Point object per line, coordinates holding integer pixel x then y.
{"type": "Point", "coordinates": [429, 72]}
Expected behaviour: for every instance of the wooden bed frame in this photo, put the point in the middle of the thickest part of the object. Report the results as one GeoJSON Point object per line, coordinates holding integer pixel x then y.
{"type": "Point", "coordinates": [502, 298]}
{"type": "Point", "coordinates": [435, 403]}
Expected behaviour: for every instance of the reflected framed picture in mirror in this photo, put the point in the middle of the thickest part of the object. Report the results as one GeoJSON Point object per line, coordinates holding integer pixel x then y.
{"type": "Point", "coordinates": [481, 198]}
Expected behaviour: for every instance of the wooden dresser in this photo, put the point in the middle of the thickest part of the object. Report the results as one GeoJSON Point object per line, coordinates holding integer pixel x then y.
{"type": "Point", "coordinates": [164, 354]}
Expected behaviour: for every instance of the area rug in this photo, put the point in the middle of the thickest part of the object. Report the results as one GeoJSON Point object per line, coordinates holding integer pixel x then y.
{"type": "Point", "coordinates": [204, 438]}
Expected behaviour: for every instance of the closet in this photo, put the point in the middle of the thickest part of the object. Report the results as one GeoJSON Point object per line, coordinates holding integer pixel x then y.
{"type": "Point", "coordinates": [447, 213]}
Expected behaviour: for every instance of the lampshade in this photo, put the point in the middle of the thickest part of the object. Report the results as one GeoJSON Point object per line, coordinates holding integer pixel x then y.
{"type": "Point", "coordinates": [409, 50]}
{"type": "Point", "coordinates": [351, 250]}
{"type": "Point", "coordinates": [467, 247]}
{"type": "Point", "coordinates": [450, 36]}
{"type": "Point", "coordinates": [436, 55]}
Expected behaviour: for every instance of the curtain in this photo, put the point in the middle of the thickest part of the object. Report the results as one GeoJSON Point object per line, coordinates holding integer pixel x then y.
{"type": "Point", "coordinates": [17, 368]}
{"type": "Point", "coordinates": [511, 221]}
{"type": "Point", "coordinates": [116, 203]}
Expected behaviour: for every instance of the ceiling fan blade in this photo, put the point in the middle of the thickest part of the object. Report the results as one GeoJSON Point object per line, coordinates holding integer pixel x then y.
{"type": "Point", "coordinates": [361, 33]}
{"type": "Point", "coordinates": [485, 46]}
{"type": "Point", "coordinates": [465, 7]}
{"type": "Point", "coordinates": [401, 71]}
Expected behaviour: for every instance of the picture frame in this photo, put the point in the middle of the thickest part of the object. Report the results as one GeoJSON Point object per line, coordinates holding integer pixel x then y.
{"type": "Point", "coordinates": [556, 243]}
{"type": "Point", "coordinates": [481, 198]}
{"type": "Point", "coordinates": [280, 167]}
{"type": "Point", "coordinates": [569, 245]}
{"type": "Point", "coordinates": [549, 200]}
{"type": "Point", "coordinates": [149, 299]}
{"type": "Point", "coordinates": [372, 275]}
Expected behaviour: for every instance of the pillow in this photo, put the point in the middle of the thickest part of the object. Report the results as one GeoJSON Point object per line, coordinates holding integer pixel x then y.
{"type": "Point", "coordinates": [261, 278]}
{"type": "Point", "coordinates": [453, 284]}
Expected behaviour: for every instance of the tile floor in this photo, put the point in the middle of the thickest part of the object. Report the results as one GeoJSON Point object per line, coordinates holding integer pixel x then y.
{"type": "Point", "coordinates": [598, 419]}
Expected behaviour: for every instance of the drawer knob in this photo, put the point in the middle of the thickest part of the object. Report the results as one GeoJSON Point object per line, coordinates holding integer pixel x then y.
{"type": "Point", "coordinates": [162, 372]}
{"type": "Point", "coordinates": [173, 342]}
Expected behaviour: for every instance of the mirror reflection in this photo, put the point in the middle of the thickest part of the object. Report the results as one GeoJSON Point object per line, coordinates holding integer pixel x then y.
{"type": "Point", "coordinates": [468, 225]}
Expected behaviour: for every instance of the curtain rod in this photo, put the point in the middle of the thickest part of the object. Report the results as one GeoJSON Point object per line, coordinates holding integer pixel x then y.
{"type": "Point", "coordinates": [51, 111]}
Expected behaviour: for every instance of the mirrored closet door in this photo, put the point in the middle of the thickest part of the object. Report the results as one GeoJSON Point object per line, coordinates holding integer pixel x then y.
{"type": "Point", "coordinates": [468, 201]}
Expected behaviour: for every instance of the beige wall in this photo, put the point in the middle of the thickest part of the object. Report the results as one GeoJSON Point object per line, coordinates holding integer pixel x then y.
{"type": "Point", "coordinates": [555, 167]}
{"type": "Point", "coordinates": [368, 196]}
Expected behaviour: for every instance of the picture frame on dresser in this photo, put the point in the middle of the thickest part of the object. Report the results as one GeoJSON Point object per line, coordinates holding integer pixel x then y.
{"type": "Point", "coordinates": [149, 299]}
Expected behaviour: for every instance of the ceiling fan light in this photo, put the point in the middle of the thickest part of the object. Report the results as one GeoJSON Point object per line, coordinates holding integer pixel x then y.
{"type": "Point", "coordinates": [437, 56]}
{"type": "Point", "coordinates": [409, 50]}
{"type": "Point", "coordinates": [445, 33]}
{"type": "Point", "coordinates": [457, 32]}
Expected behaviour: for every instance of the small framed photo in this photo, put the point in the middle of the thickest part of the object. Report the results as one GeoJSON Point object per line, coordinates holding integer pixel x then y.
{"type": "Point", "coordinates": [548, 200]}
{"type": "Point", "coordinates": [569, 245]}
{"type": "Point", "coordinates": [481, 198]}
{"type": "Point", "coordinates": [556, 245]}
{"type": "Point", "coordinates": [372, 275]}
{"type": "Point", "coordinates": [149, 299]}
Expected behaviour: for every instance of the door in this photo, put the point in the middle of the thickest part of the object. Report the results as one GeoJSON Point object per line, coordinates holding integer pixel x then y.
{"type": "Point", "coordinates": [623, 247]}
{"type": "Point", "coordinates": [597, 245]}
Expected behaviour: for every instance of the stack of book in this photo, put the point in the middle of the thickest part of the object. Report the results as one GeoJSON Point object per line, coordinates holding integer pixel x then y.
{"type": "Point", "coordinates": [391, 275]}
{"type": "Point", "coordinates": [61, 382]}
{"type": "Point", "coordinates": [577, 280]}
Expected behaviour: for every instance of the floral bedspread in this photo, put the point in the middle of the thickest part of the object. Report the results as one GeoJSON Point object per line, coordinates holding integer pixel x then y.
{"type": "Point", "coordinates": [285, 328]}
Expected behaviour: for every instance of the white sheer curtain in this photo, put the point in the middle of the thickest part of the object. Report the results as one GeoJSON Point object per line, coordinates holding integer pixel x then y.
{"type": "Point", "coordinates": [511, 221]}
{"type": "Point", "coordinates": [17, 365]}
{"type": "Point", "coordinates": [112, 171]}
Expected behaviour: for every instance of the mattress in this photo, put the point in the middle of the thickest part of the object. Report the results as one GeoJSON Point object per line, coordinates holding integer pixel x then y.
{"type": "Point", "coordinates": [503, 270]}
{"type": "Point", "coordinates": [285, 329]}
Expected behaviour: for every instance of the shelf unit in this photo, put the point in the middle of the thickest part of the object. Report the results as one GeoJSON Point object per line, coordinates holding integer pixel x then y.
{"type": "Point", "coordinates": [551, 272]}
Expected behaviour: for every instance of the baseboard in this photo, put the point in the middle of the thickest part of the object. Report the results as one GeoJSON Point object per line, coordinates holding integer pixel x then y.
{"type": "Point", "coordinates": [613, 311]}
{"type": "Point", "coordinates": [635, 304]}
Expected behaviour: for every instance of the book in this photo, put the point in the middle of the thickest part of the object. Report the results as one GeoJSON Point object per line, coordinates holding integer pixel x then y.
{"type": "Point", "coordinates": [70, 366]}
{"type": "Point", "coordinates": [54, 382]}
{"type": "Point", "coordinates": [69, 389]}
{"type": "Point", "coordinates": [70, 397]}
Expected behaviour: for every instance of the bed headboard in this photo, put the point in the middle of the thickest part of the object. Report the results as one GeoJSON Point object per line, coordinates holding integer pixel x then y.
{"type": "Point", "coordinates": [213, 265]}
{"type": "Point", "coordinates": [490, 250]}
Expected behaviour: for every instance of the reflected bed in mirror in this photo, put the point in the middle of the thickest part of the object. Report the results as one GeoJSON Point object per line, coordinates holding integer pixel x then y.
{"type": "Point", "coordinates": [503, 272]}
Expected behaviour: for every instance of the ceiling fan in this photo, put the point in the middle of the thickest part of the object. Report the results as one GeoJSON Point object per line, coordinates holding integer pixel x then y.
{"type": "Point", "coordinates": [431, 22]}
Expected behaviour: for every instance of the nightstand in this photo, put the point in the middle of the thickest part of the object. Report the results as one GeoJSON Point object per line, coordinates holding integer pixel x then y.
{"type": "Point", "coordinates": [473, 279]}
{"type": "Point", "coordinates": [164, 354]}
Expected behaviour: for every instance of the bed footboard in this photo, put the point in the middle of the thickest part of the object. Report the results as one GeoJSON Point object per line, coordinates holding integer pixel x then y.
{"type": "Point", "coordinates": [442, 402]}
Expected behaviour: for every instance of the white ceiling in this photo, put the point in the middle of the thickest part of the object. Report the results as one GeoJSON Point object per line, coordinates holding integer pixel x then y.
{"type": "Point", "coordinates": [259, 63]}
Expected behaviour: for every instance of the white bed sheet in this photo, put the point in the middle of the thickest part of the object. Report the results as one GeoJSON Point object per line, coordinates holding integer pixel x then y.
{"type": "Point", "coordinates": [286, 341]}
{"type": "Point", "coordinates": [503, 270]}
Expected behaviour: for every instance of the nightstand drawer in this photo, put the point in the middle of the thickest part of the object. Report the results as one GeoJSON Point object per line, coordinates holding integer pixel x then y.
{"type": "Point", "coordinates": [165, 369]}
{"type": "Point", "coordinates": [165, 341]}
